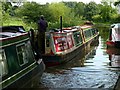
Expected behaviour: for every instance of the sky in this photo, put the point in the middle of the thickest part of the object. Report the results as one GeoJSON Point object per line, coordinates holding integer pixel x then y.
{"type": "Point", "coordinates": [51, 1]}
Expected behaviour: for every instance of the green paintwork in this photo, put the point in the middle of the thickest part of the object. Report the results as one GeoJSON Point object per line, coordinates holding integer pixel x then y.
{"type": "Point", "coordinates": [16, 76]}
{"type": "Point", "coordinates": [15, 71]}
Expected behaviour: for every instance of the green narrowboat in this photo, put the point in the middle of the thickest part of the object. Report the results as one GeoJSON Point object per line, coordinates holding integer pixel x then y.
{"type": "Point", "coordinates": [18, 67]}
{"type": "Point", "coordinates": [62, 46]}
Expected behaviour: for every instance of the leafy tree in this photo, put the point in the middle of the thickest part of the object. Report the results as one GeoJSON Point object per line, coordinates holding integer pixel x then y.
{"type": "Point", "coordinates": [106, 11]}
{"type": "Point", "coordinates": [57, 10]}
{"type": "Point", "coordinates": [91, 9]}
{"type": "Point", "coordinates": [70, 4]}
{"type": "Point", "coordinates": [7, 7]}
{"type": "Point", "coordinates": [0, 14]}
{"type": "Point", "coordinates": [117, 3]}
{"type": "Point", "coordinates": [6, 11]}
{"type": "Point", "coordinates": [30, 11]}
{"type": "Point", "coordinates": [79, 9]}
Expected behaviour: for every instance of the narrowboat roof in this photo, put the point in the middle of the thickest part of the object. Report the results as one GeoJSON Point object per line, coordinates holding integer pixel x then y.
{"type": "Point", "coordinates": [66, 30]}
{"type": "Point", "coordinates": [117, 25]}
{"type": "Point", "coordinates": [5, 35]}
{"type": "Point", "coordinates": [71, 29]}
{"type": "Point", "coordinates": [12, 29]}
{"type": "Point", "coordinates": [11, 34]}
{"type": "Point", "coordinates": [12, 38]}
{"type": "Point", "coordinates": [86, 26]}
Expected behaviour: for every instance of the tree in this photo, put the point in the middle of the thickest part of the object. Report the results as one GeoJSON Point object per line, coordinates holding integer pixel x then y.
{"type": "Point", "coordinates": [79, 9]}
{"type": "Point", "coordinates": [30, 11]}
{"type": "Point", "coordinates": [57, 10]}
{"type": "Point", "coordinates": [70, 4]}
{"type": "Point", "coordinates": [117, 3]}
{"type": "Point", "coordinates": [7, 7]}
{"type": "Point", "coordinates": [106, 11]}
{"type": "Point", "coordinates": [0, 14]}
{"type": "Point", "coordinates": [6, 12]}
{"type": "Point", "coordinates": [91, 9]}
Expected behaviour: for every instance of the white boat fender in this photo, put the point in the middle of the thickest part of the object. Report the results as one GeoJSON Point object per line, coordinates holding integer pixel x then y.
{"type": "Point", "coordinates": [39, 61]}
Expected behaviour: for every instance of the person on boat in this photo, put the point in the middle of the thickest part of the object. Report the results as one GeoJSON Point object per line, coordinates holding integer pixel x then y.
{"type": "Point", "coordinates": [42, 27]}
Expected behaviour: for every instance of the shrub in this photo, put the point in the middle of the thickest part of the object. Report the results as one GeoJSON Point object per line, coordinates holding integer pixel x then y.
{"type": "Point", "coordinates": [97, 18]}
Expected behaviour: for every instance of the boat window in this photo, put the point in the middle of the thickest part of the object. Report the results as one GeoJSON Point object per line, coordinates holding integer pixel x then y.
{"type": "Point", "coordinates": [88, 33]}
{"type": "Point", "coordinates": [78, 38]}
{"type": "Point", "coordinates": [94, 31]}
{"type": "Point", "coordinates": [22, 54]}
{"type": "Point", "coordinates": [29, 52]}
{"type": "Point", "coordinates": [47, 35]}
{"type": "Point", "coordinates": [3, 63]}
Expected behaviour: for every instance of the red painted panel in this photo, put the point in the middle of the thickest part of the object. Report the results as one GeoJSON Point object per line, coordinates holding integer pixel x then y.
{"type": "Point", "coordinates": [63, 42]}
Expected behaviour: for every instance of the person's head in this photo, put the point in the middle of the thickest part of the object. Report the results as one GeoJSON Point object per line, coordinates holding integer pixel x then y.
{"type": "Point", "coordinates": [42, 17]}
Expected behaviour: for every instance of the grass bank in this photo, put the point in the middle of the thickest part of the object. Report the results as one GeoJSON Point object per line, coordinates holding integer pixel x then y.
{"type": "Point", "coordinates": [13, 21]}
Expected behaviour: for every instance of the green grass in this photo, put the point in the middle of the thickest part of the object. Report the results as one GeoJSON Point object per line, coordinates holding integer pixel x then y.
{"type": "Point", "coordinates": [18, 22]}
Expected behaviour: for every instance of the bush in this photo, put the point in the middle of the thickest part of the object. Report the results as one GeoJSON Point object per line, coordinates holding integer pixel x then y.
{"type": "Point", "coordinates": [115, 18]}
{"type": "Point", "coordinates": [97, 18]}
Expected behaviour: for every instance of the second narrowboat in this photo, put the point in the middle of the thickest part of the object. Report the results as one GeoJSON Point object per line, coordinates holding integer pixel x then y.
{"type": "Point", "coordinates": [63, 45]}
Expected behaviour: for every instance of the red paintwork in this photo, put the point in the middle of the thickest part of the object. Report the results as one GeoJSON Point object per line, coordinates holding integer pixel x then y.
{"type": "Point", "coordinates": [110, 43]}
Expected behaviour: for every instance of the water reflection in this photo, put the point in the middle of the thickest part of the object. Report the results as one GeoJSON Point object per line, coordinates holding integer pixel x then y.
{"type": "Point", "coordinates": [91, 69]}
{"type": "Point", "coordinates": [114, 57]}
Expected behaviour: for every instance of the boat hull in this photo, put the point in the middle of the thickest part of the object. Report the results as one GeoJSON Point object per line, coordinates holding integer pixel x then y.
{"type": "Point", "coordinates": [30, 79]}
{"type": "Point", "coordinates": [111, 44]}
{"type": "Point", "coordinates": [56, 60]}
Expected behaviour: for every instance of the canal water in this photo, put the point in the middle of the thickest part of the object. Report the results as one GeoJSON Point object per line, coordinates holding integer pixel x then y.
{"type": "Point", "coordinates": [97, 67]}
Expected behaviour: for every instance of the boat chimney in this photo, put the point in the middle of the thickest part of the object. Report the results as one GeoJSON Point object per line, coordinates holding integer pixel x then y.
{"type": "Point", "coordinates": [61, 23]}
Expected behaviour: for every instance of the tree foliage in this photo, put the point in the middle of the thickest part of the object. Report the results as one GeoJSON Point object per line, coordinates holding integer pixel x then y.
{"type": "Point", "coordinates": [0, 14]}
{"type": "Point", "coordinates": [105, 12]}
{"type": "Point", "coordinates": [79, 9]}
{"type": "Point", "coordinates": [72, 12]}
{"type": "Point", "coordinates": [30, 11]}
{"type": "Point", "coordinates": [117, 3]}
{"type": "Point", "coordinates": [57, 10]}
{"type": "Point", "coordinates": [91, 9]}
